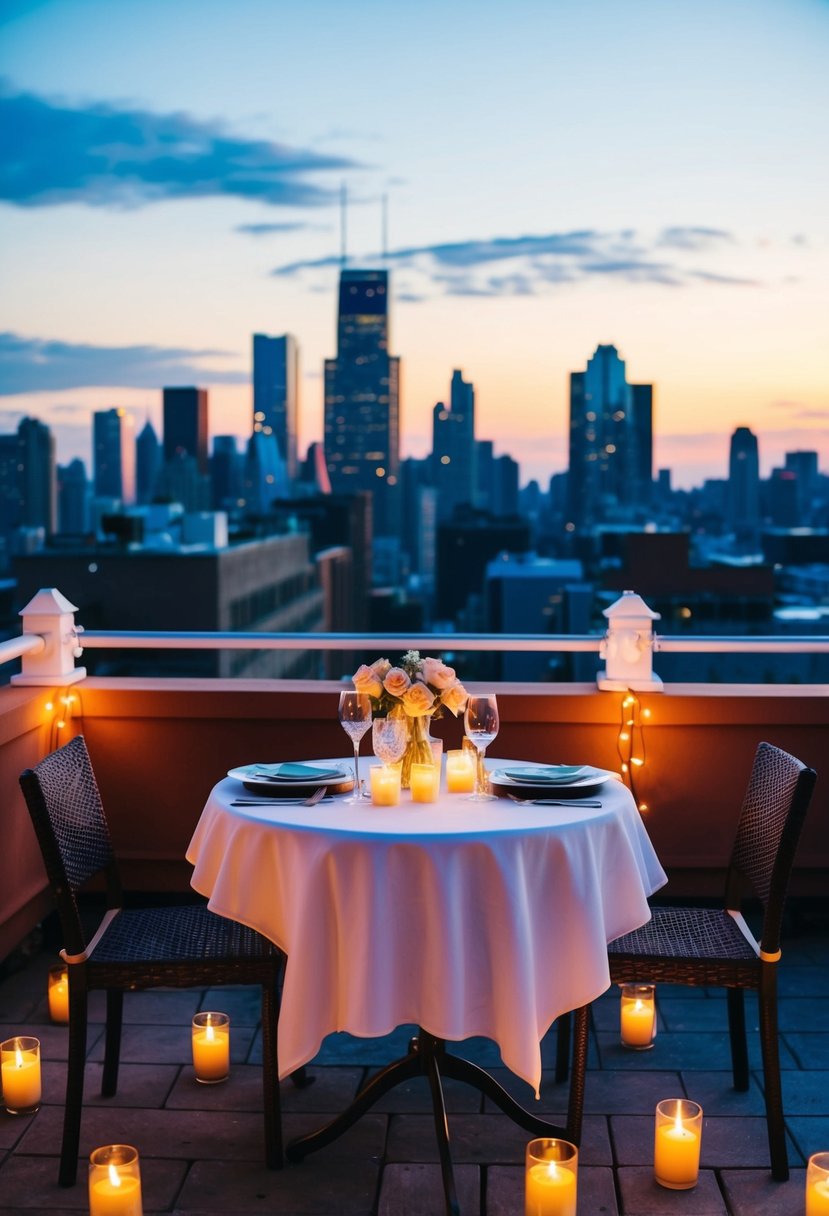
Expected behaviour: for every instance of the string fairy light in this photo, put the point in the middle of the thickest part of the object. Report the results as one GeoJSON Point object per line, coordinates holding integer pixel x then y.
{"type": "Point", "coordinates": [630, 742]}
{"type": "Point", "coordinates": [61, 707]}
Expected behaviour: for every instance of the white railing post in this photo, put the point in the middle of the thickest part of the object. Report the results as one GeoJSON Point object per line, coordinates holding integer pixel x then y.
{"type": "Point", "coordinates": [49, 615]}
{"type": "Point", "coordinates": [627, 647]}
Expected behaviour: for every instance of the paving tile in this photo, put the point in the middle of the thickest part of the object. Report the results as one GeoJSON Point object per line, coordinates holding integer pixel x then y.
{"type": "Point", "coordinates": [505, 1191]}
{"type": "Point", "coordinates": [319, 1186]}
{"type": "Point", "coordinates": [643, 1196]}
{"type": "Point", "coordinates": [29, 1184]}
{"type": "Point", "coordinates": [680, 1014]}
{"type": "Point", "coordinates": [415, 1096]}
{"type": "Point", "coordinates": [803, 981]}
{"type": "Point", "coordinates": [715, 1093]}
{"type": "Point", "coordinates": [676, 1051]}
{"type": "Point", "coordinates": [755, 1193]}
{"type": "Point", "coordinates": [807, 1050]}
{"type": "Point", "coordinates": [54, 1040]}
{"type": "Point", "coordinates": [164, 1006]}
{"type": "Point", "coordinates": [146, 1085]}
{"type": "Point", "coordinates": [606, 1092]}
{"type": "Point", "coordinates": [242, 1002]}
{"type": "Point", "coordinates": [803, 1013]}
{"type": "Point", "coordinates": [12, 1127]}
{"type": "Point", "coordinates": [805, 1093]}
{"type": "Point", "coordinates": [331, 1091]}
{"type": "Point", "coordinates": [727, 1142]}
{"type": "Point", "coordinates": [484, 1140]}
{"type": "Point", "coordinates": [810, 1133]}
{"type": "Point", "coordinates": [412, 1190]}
{"type": "Point", "coordinates": [170, 1045]}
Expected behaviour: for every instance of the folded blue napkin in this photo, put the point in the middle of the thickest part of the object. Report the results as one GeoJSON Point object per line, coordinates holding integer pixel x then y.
{"type": "Point", "coordinates": [550, 774]}
{"type": "Point", "coordinates": [295, 772]}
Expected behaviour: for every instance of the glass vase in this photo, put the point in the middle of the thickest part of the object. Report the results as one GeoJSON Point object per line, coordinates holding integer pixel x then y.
{"type": "Point", "coordinates": [418, 749]}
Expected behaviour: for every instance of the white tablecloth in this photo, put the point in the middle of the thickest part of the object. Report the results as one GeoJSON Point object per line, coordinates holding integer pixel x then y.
{"type": "Point", "coordinates": [464, 918]}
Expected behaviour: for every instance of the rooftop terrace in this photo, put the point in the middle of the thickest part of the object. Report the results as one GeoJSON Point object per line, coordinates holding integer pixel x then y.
{"type": "Point", "coordinates": [201, 1146]}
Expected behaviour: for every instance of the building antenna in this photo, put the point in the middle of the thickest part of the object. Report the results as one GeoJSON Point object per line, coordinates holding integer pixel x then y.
{"type": "Point", "coordinates": [343, 209]}
{"type": "Point", "coordinates": [384, 231]}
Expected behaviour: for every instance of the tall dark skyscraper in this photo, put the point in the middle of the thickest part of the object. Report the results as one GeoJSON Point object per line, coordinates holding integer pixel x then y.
{"type": "Point", "coordinates": [38, 475]}
{"type": "Point", "coordinates": [185, 426]}
{"type": "Point", "coordinates": [73, 498]}
{"type": "Point", "coordinates": [147, 463]}
{"type": "Point", "coordinates": [744, 481]}
{"type": "Point", "coordinates": [610, 443]}
{"type": "Point", "coordinates": [453, 448]}
{"type": "Point", "coordinates": [362, 405]}
{"type": "Point", "coordinates": [276, 393]}
{"type": "Point", "coordinates": [114, 451]}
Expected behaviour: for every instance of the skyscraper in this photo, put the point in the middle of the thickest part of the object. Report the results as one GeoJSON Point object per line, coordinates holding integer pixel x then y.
{"type": "Point", "coordinates": [185, 426]}
{"type": "Point", "coordinates": [611, 429]}
{"type": "Point", "coordinates": [362, 406]}
{"type": "Point", "coordinates": [73, 498]}
{"type": "Point", "coordinates": [744, 481]}
{"type": "Point", "coordinates": [147, 463]}
{"type": "Point", "coordinates": [453, 448]}
{"type": "Point", "coordinates": [276, 393]}
{"type": "Point", "coordinates": [114, 451]}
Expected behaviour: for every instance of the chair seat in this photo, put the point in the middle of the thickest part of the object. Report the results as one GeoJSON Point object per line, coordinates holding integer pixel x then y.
{"type": "Point", "coordinates": [681, 945]}
{"type": "Point", "coordinates": [172, 935]}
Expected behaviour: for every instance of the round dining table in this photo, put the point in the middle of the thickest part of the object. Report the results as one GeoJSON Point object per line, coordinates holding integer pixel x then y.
{"type": "Point", "coordinates": [461, 917]}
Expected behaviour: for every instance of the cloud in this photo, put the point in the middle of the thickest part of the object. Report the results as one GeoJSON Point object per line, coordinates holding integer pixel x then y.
{"type": "Point", "coordinates": [535, 262]}
{"type": "Point", "coordinates": [104, 155]}
{"type": "Point", "coordinates": [31, 365]}
{"type": "Point", "coordinates": [274, 229]}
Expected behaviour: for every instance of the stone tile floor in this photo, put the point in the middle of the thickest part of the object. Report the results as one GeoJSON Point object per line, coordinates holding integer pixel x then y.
{"type": "Point", "coordinates": [201, 1146]}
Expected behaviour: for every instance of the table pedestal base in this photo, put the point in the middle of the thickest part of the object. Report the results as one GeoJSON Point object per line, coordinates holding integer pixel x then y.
{"type": "Point", "coordinates": [427, 1056]}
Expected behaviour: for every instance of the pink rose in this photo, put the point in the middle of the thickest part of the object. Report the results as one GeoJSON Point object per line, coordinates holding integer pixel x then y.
{"type": "Point", "coordinates": [381, 668]}
{"type": "Point", "coordinates": [437, 674]}
{"type": "Point", "coordinates": [396, 682]}
{"type": "Point", "coordinates": [418, 700]}
{"type": "Point", "coordinates": [455, 698]}
{"type": "Point", "coordinates": [365, 680]}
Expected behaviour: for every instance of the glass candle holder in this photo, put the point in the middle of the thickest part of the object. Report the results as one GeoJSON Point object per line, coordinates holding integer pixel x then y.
{"type": "Point", "coordinates": [637, 1016]}
{"type": "Point", "coordinates": [58, 994]}
{"type": "Point", "coordinates": [817, 1185]}
{"type": "Point", "coordinates": [460, 771]}
{"type": "Point", "coordinates": [550, 1178]}
{"type": "Point", "coordinates": [677, 1140]}
{"type": "Point", "coordinates": [385, 784]}
{"type": "Point", "coordinates": [425, 782]}
{"type": "Point", "coordinates": [20, 1071]}
{"type": "Point", "coordinates": [115, 1181]}
{"type": "Point", "coordinates": [211, 1047]}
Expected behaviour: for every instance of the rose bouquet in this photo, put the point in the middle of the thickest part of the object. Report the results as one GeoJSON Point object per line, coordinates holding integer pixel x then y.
{"type": "Point", "coordinates": [420, 689]}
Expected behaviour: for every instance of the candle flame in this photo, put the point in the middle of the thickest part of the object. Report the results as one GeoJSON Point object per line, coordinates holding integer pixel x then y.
{"type": "Point", "coordinates": [210, 1034]}
{"type": "Point", "coordinates": [552, 1170]}
{"type": "Point", "coordinates": [18, 1056]}
{"type": "Point", "coordinates": [638, 1007]}
{"type": "Point", "coordinates": [114, 1176]}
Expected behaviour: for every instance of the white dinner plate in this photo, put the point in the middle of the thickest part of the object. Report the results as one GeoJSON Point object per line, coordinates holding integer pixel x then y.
{"type": "Point", "coordinates": [548, 774]}
{"type": "Point", "coordinates": [266, 776]}
{"type": "Point", "coordinates": [580, 787]}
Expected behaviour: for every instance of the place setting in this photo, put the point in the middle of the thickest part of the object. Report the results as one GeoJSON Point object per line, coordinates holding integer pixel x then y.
{"type": "Point", "coordinates": [291, 782]}
{"type": "Point", "coordinates": [550, 784]}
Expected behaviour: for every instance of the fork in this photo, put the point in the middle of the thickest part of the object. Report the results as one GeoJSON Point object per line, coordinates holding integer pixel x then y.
{"type": "Point", "coordinates": [552, 801]}
{"type": "Point", "coordinates": [311, 800]}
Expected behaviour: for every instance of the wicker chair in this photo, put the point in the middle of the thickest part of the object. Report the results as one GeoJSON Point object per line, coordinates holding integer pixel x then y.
{"type": "Point", "coordinates": [702, 946]}
{"type": "Point", "coordinates": [179, 947]}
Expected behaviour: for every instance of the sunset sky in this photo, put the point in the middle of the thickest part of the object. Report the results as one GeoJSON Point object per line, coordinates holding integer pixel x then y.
{"type": "Point", "coordinates": [654, 175]}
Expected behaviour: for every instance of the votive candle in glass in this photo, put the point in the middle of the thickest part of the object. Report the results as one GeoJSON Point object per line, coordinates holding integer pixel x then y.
{"type": "Point", "coordinates": [115, 1181]}
{"type": "Point", "coordinates": [637, 1016]}
{"type": "Point", "coordinates": [550, 1178]}
{"type": "Point", "coordinates": [385, 784]}
{"type": "Point", "coordinates": [460, 771]}
{"type": "Point", "coordinates": [58, 993]}
{"type": "Point", "coordinates": [425, 782]}
{"type": "Point", "coordinates": [20, 1071]}
{"type": "Point", "coordinates": [817, 1185]}
{"type": "Point", "coordinates": [677, 1140]}
{"type": "Point", "coordinates": [211, 1047]}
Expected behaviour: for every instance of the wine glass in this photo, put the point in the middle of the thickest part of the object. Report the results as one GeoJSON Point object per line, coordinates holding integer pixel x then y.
{"type": "Point", "coordinates": [355, 719]}
{"type": "Point", "coordinates": [481, 725]}
{"type": "Point", "coordinates": [389, 737]}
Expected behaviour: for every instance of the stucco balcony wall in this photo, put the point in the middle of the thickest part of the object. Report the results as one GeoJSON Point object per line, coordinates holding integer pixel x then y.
{"type": "Point", "coordinates": [159, 745]}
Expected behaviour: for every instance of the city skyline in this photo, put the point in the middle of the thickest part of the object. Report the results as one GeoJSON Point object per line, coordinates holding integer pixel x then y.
{"type": "Point", "coordinates": [668, 201]}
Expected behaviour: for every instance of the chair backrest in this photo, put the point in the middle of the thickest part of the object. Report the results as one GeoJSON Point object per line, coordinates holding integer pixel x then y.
{"type": "Point", "coordinates": [68, 817]}
{"type": "Point", "coordinates": [774, 809]}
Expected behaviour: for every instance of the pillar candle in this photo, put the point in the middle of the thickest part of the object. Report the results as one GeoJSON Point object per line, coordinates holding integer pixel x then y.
{"type": "Point", "coordinates": [677, 1140]}
{"type": "Point", "coordinates": [115, 1181]}
{"type": "Point", "coordinates": [20, 1069]}
{"type": "Point", "coordinates": [460, 772]}
{"type": "Point", "coordinates": [550, 1190]}
{"type": "Point", "coordinates": [817, 1185]}
{"type": "Point", "coordinates": [211, 1047]}
{"type": "Point", "coordinates": [637, 1014]}
{"type": "Point", "coordinates": [425, 782]}
{"type": "Point", "coordinates": [385, 785]}
{"type": "Point", "coordinates": [58, 994]}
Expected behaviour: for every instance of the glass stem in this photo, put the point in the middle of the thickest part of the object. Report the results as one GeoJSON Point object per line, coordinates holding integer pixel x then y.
{"type": "Point", "coordinates": [358, 793]}
{"type": "Point", "coordinates": [480, 771]}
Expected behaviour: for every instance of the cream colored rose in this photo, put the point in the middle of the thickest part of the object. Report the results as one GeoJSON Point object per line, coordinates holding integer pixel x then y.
{"type": "Point", "coordinates": [418, 700]}
{"type": "Point", "coordinates": [396, 682]}
{"type": "Point", "coordinates": [366, 681]}
{"type": "Point", "coordinates": [438, 674]}
{"type": "Point", "coordinates": [455, 698]}
{"type": "Point", "coordinates": [381, 668]}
